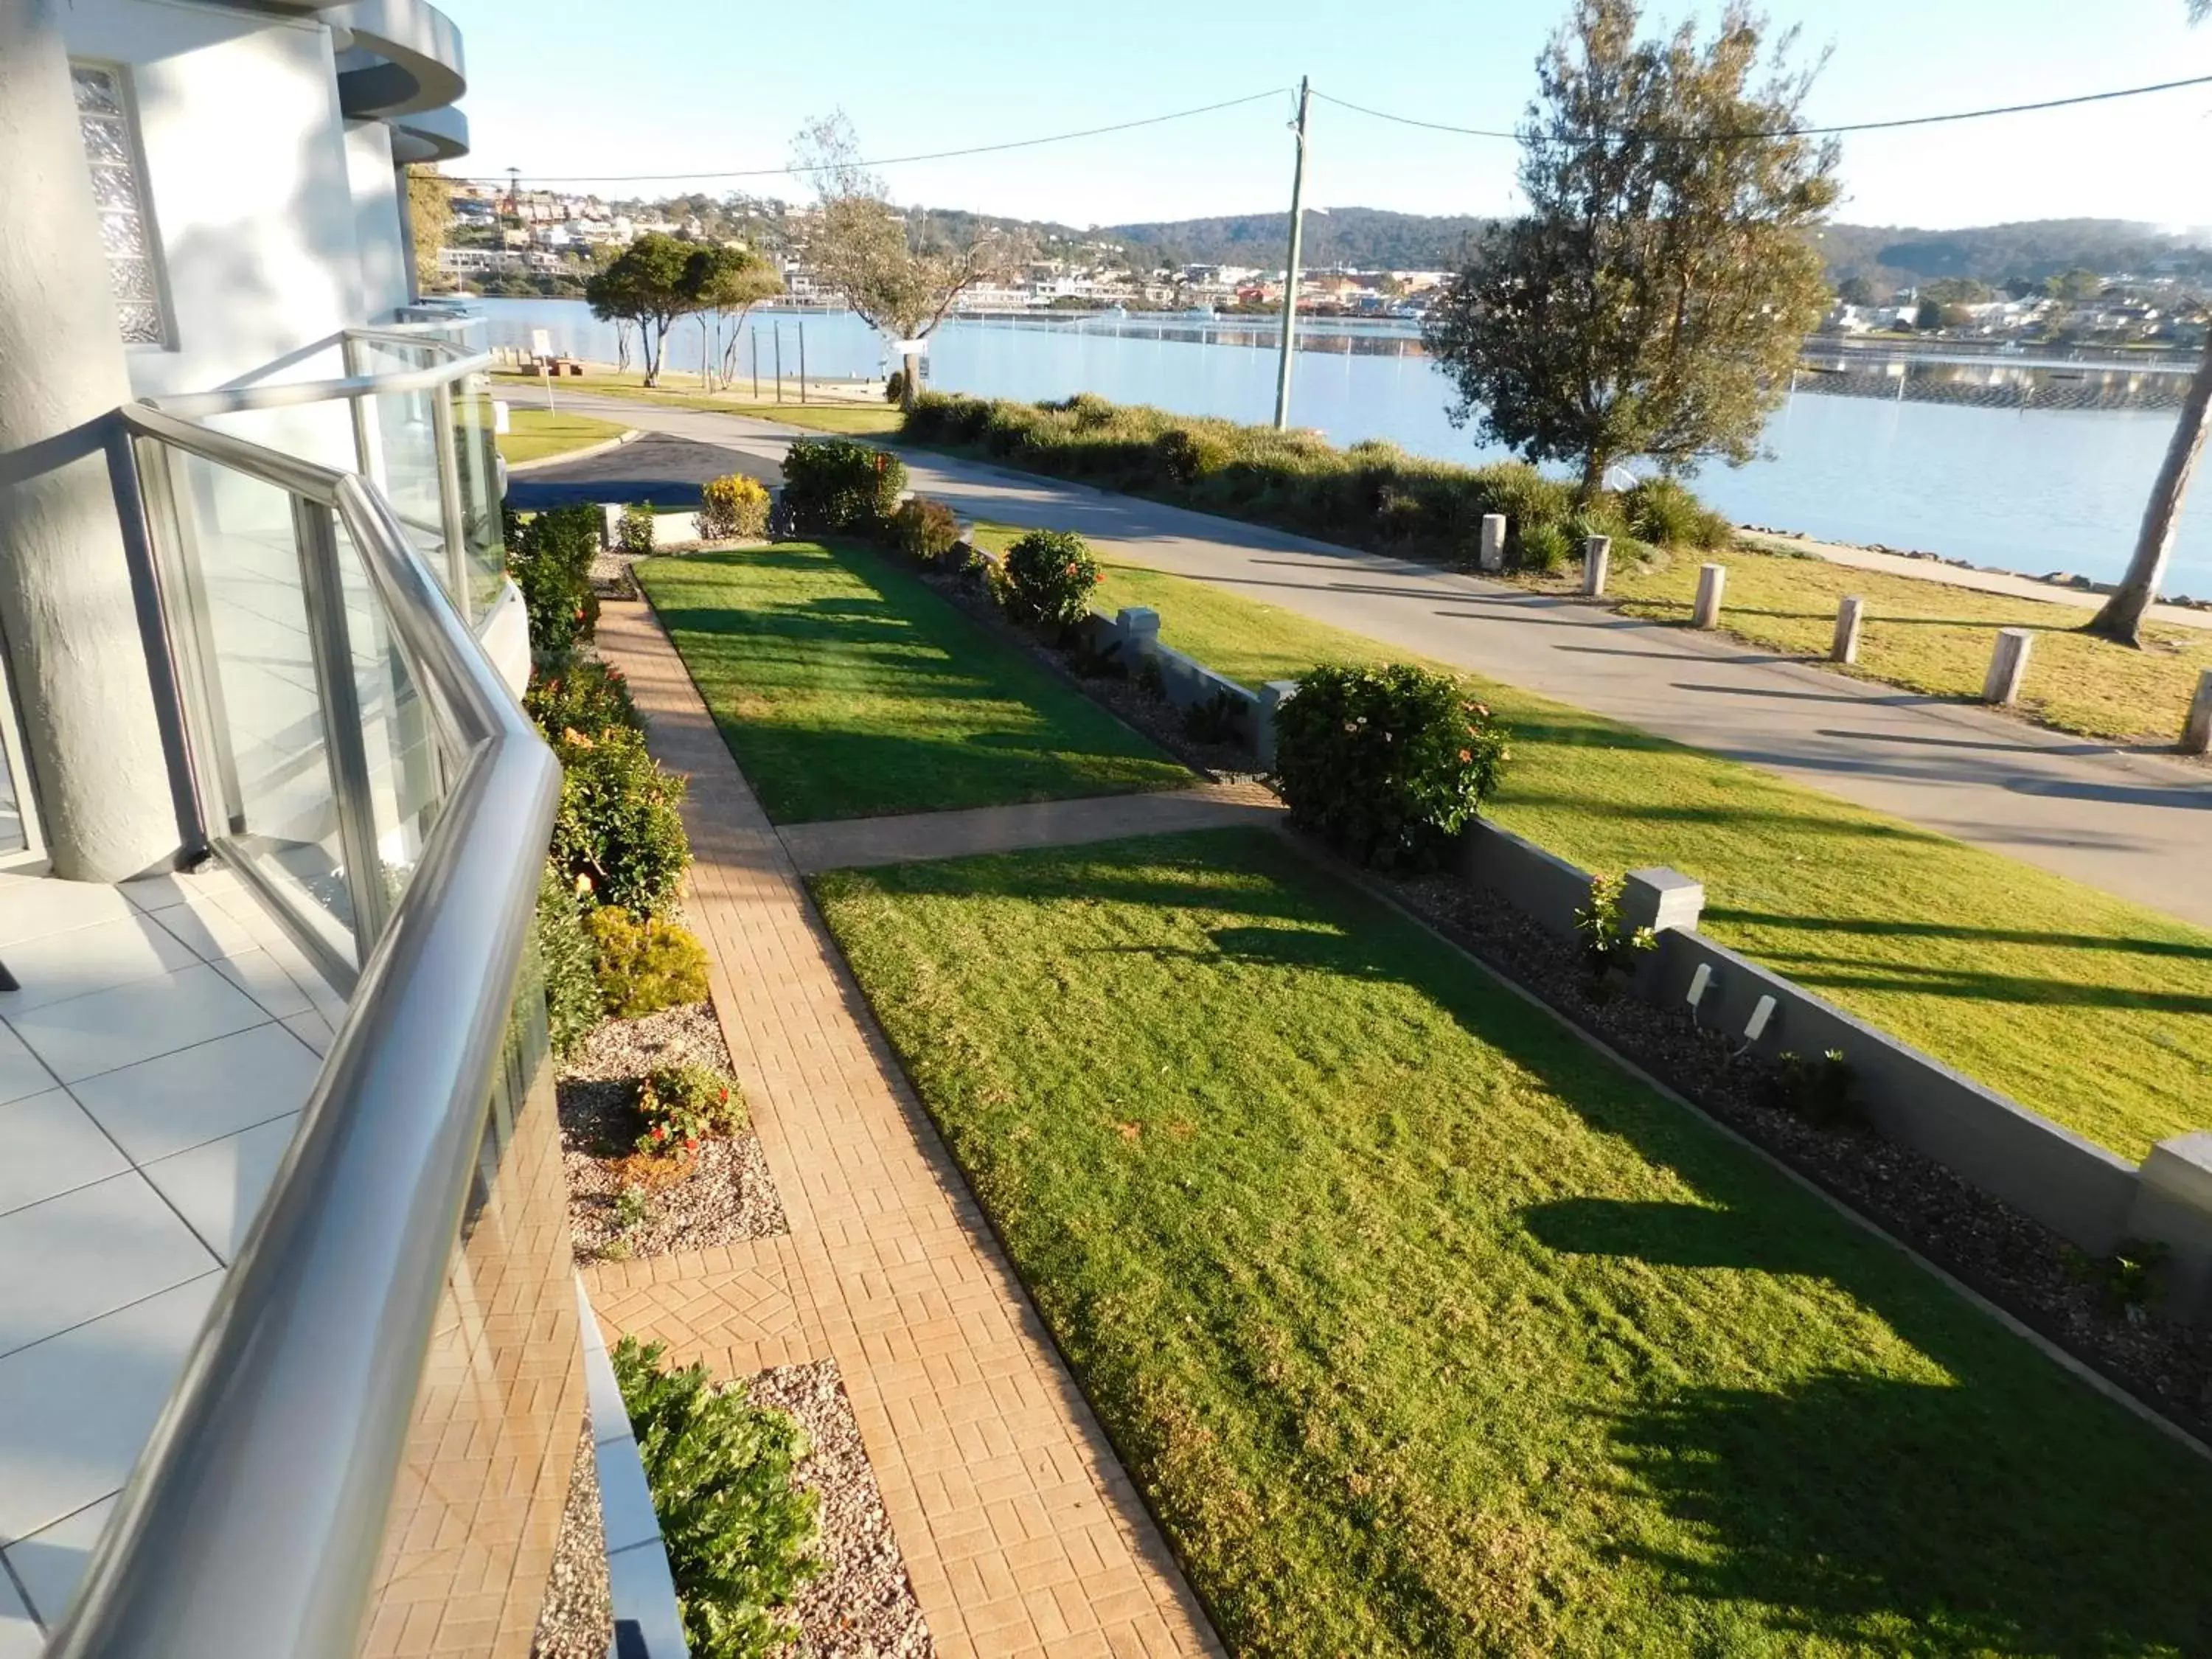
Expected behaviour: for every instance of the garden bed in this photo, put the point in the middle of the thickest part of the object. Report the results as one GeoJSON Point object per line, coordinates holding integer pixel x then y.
{"type": "Point", "coordinates": [576, 1619]}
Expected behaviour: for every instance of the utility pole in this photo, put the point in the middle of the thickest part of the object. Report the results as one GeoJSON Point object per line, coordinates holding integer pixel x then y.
{"type": "Point", "coordinates": [1291, 275]}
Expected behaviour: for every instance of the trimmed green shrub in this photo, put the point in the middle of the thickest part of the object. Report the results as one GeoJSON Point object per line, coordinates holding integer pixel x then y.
{"type": "Point", "coordinates": [831, 484]}
{"type": "Point", "coordinates": [683, 1105]}
{"type": "Point", "coordinates": [618, 826]}
{"type": "Point", "coordinates": [565, 963]}
{"type": "Point", "coordinates": [1386, 764]}
{"type": "Point", "coordinates": [550, 557]}
{"type": "Point", "coordinates": [580, 695]}
{"type": "Point", "coordinates": [732, 508]}
{"type": "Point", "coordinates": [633, 530]}
{"type": "Point", "coordinates": [925, 530]}
{"type": "Point", "coordinates": [738, 1531]}
{"type": "Point", "coordinates": [1049, 574]}
{"type": "Point", "coordinates": [644, 964]}
{"type": "Point", "coordinates": [1660, 511]}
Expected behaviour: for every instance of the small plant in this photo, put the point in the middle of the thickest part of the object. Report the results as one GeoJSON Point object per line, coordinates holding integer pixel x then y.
{"type": "Point", "coordinates": [618, 827]}
{"type": "Point", "coordinates": [925, 531]}
{"type": "Point", "coordinates": [2131, 1278]}
{"type": "Point", "coordinates": [633, 530]}
{"type": "Point", "coordinates": [1609, 945]}
{"type": "Point", "coordinates": [1386, 764]}
{"type": "Point", "coordinates": [1545, 548]}
{"type": "Point", "coordinates": [550, 557]}
{"type": "Point", "coordinates": [683, 1105]}
{"type": "Point", "coordinates": [1817, 1090]}
{"type": "Point", "coordinates": [738, 1531]}
{"type": "Point", "coordinates": [573, 1005]}
{"type": "Point", "coordinates": [836, 485]}
{"type": "Point", "coordinates": [1087, 661]}
{"type": "Point", "coordinates": [644, 964]}
{"type": "Point", "coordinates": [633, 1209]}
{"type": "Point", "coordinates": [582, 694]}
{"type": "Point", "coordinates": [732, 508]}
{"type": "Point", "coordinates": [1217, 718]}
{"type": "Point", "coordinates": [1049, 574]}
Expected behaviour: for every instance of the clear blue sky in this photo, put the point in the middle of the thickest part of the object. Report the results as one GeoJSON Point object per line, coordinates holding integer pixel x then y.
{"type": "Point", "coordinates": [584, 87]}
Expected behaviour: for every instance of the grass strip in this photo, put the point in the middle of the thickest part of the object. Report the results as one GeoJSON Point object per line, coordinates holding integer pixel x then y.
{"type": "Point", "coordinates": [845, 688]}
{"type": "Point", "coordinates": [1426, 1330]}
{"type": "Point", "coordinates": [852, 418]}
{"type": "Point", "coordinates": [534, 434]}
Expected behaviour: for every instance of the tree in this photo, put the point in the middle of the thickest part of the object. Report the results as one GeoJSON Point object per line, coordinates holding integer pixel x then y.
{"type": "Point", "coordinates": [901, 275]}
{"type": "Point", "coordinates": [1654, 299]}
{"type": "Point", "coordinates": [1859, 289]}
{"type": "Point", "coordinates": [644, 284]}
{"type": "Point", "coordinates": [2075, 286]}
{"type": "Point", "coordinates": [429, 216]}
{"type": "Point", "coordinates": [1928, 315]}
{"type": "Point", "coordinates": [721, 281]}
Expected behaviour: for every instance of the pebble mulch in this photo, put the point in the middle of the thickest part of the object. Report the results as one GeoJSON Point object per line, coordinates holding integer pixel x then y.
{"type": "Point", "coordinates": [860, 1605]}
{"type": "Point", "coordinates": [577, 1620]}
{"type": "Point", "coordinates": [724, 1193]}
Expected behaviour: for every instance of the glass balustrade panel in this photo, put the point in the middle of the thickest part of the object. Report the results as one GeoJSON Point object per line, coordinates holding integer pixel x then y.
{"type": "Point", "coordinates": [484, 533]}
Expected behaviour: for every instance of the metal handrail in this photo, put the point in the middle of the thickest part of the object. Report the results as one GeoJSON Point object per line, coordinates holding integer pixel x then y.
{"type": "Point", "coordinates": [287, 394]}
{"type": "Point", "coordinates": [253, 1524]}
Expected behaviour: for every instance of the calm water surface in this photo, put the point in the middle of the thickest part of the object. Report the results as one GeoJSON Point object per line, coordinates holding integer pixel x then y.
{"type": "Point", "coordinates": [2035, 491]}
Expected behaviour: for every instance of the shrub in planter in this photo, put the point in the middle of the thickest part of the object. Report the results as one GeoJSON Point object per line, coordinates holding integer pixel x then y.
{"type": "Point", "coordinates": [1386, 764]}
{"type": "Point", "coordinates": [1819, 1091]}
{"type": "Point", "coordinates": [738, 1531]}
{"type": "Point", "coordinates": [833, 483]}
{"type": "Point", "coordinates": [643, 964]}
{"type": "Point", "coordinates": [618, 826]}
{"type": "Point", "coordinates": [633, 530]}
{"type": "Point", "coordinates": [565, 963]}
{"type": "Point", "coordinates": [683, 1105]}
{"type": "Point", "coordinates": [550, 557]}
{"type": "Point", "coordinates": [925, 530]}
{"type": "Point", "coordinates": [582, 694]}
{"type": "Point", "coordinates": [1048, 579]}
{"type": "Point", "coordinates": [1609, 945]}
{"type": "Point", "coordinates": [732, 508]}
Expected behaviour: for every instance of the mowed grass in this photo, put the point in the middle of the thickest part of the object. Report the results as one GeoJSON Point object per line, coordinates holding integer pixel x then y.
{"type": "Point", "coordinates": [534, 434]}
{"type": "Point", "coordinates": [678, 391]}
{"type": "Point", "coordinates": [1426, 1331]}
{"type": "Point", "coordinates": [2082, 1006]}
{"type": "Point", "coordinates": [1927, 637]}
{"type": "Point", "coordinates": [845, 689]}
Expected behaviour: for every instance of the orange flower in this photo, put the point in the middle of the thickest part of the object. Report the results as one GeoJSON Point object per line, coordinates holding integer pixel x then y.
{"type": "Point", "coordinates": [1466, 754]}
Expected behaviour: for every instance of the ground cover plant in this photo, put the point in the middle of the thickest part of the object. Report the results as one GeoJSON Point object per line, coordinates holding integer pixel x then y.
{"type": "Point", "coordinates": [2084, 1007]}
{"type": "Point", "coordinates": [845, 688]}
{"type": "Point", "coordinates": [1426, 1330]}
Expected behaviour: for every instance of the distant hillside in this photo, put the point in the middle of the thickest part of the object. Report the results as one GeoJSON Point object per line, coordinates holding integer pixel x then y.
{"type": "Point", "coordinates": [1351, 235]}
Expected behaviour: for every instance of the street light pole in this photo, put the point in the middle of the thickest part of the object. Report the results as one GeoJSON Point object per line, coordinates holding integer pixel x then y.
{"type": "Point", "coordinates": [1291, 275]}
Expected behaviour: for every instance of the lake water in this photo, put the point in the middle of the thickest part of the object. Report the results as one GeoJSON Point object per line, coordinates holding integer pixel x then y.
{"type": "Point", "coordinates": [2029, 490]}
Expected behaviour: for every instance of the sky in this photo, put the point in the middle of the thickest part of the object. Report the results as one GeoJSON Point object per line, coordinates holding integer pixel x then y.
{"type": "Point", "coordinates": [583, 88]}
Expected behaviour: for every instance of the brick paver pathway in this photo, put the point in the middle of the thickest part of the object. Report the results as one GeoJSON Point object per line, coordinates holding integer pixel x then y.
{"type": "Point", "coordinates": [1021, 1531]}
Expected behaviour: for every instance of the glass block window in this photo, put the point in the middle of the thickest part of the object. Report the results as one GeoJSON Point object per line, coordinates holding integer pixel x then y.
{"type": "Point", "coordinates": [104, 121]}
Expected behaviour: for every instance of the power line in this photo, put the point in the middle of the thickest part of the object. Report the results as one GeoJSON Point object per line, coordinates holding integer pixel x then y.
{"type": "Point", "coordinates": [1812, 132]}
{"type": "Point", "coordinates": [898, 160]}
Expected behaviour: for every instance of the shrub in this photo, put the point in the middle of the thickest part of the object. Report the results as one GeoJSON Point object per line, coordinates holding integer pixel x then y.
{"type": "Point", "coordinates": [833, 483]}
{"type": "Point", "coordinates": [1661, 510]}
{"type": "Point", "coordinates": [925, 530]}
{"type": "Point", "coordinates": [895, 386]}
{"type": "Point", "coordinates": [618, 826]}
{"type": "Point", "coordinates": [1609, 944]}
{"type": "Point", "coordinates": [643, 964]}
{"type": "Point", "coordinates": [1049, 574]}
{"type": "Point", "coordinates": [1386, 764]}
{"type": "Point", "coordinates": [1545, 548]}
{"type": "Point", "coordinates": [634, 531]}
{"type": "Point", "coordinates": [1818, 1091]}
{"type": "Point", "coordinates": [732, 508]}
{"type": "Point", "coordinates": [1186, 457]}
{"type": "Point", "coordinates": [683, 1105]}
{"type": "Point", "coordinates": [583, 695]}
{"type": "Point", "coordinates": [738, 1531]}
{"type": "Point", "coordinates": [572, 1003]}
{"type": "Point", "coordinates": [550, 557]}
{"type": "Point", "coordinates": [1218, 719]}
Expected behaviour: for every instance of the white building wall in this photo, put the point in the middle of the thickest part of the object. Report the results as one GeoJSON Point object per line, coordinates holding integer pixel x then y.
{"type": "Point", "coordinates": [376, 210]}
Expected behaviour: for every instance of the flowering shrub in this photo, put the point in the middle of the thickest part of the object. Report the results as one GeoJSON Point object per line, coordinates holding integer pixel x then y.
{"type": "Point", "coordinates": [683, 1105]}
{"type": "Point", "coordinates": [618, 826]}
{"type": "Point", "coordinates": [550, 557]}
{"type": "Point", "coordinates": [925, 530]}
{"type": "Point", "coordinates": [1386, 764]}
{"type": "Point", "coordinates": [833, 483]}
{"type": "Point", "coordinates": [584, 694]}
{"type": "Point", "coordinates": [732, 508]}
{"type": "Point", "coordinates": [1049, 576]}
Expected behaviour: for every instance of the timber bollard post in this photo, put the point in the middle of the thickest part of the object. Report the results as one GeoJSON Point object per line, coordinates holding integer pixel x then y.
{"type": "Point", "coordinates": [1597, 561]}
{"type": "Point", "coordinates": [2007, 667]}
{"type": "Point", "coordinates": [1490, 553]}
{"type": "Point", "coordinates": [1711, 579]}
{"type": "Point", "coordinates": [2197, 731]}
{"type": "Point", "coordinates": [1849, 615]}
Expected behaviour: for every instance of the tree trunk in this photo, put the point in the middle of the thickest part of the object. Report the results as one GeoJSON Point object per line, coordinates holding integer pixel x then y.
{"type": "Point", "coordinates": [910, 366]}
{"type": "Point", "coordinates": [653, 340]}
{"type": "Point", "coordinates": [1593, 484]}
{"type": "Point", "coordinates": [2121, 617]}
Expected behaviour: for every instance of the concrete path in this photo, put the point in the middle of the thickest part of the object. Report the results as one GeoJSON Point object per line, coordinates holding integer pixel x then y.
{"type": "Point", "coordinates": [859, 843]}
{"type": "Point", "coordinates": [2136, 825]}
{"type": "Point", "coordinates": [1021, 1531]}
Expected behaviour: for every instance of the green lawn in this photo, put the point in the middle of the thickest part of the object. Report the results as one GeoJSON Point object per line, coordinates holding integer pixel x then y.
{"type": "Point", "coordinates": [533, 433]}
{"type": "Point", "coordinates": [845, 688]}
{"type": "Point", "coordinates": [1426, 1331]}
{"type": "Point", "coordinates": [684, 391]}
{"type": "Point", "coordinates": [2087, 1008]}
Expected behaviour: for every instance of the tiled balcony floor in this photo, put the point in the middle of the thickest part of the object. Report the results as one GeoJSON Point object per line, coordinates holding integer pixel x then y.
{"type": "Point", "coordinates": [152, 1069]}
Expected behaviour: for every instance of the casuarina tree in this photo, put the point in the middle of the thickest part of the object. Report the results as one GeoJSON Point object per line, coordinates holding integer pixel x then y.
{"type": "Point", "coordinates": [1652, 300]}
{"type": "Point", "coordinates": [646, 284]}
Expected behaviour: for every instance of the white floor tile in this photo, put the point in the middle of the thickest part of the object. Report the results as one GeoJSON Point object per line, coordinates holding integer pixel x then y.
{"type": "Point", "coordinates": [202, 1093]}
{"type": "Point", "coordinates": [48, 1145]}
{"type": "Point", "coordinates": [311, 1028]}
{"type": "Point", "coordinates": [260, 977]}
{"type": "Point", "coordinates": [89, 1035]}
{"type": "Point", "coordinates": [52, 1560]}
{"type": "Point", "coordinates": [218, 1188]}
{"type": "Point", "coordinates": [151, 893]}
{"type": "Point", "coordinates": [19, 1637]}
{"type": "Point", "coordinates": [57, 967]}
{"type": "Point", "coordinates": [87, 1253]}
{"type": "Point", "coordinates": [75, 1412]}
{"type": "Point", "coordinates": [208, 929]}
{"type": "Point", "coordinates": [20, 1074]}
{"type": "Point", "coordinates": [34, 906]}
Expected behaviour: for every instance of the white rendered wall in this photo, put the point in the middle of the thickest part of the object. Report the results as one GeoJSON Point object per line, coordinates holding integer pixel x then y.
{"type": "Point", "coordinates": [376, 208]}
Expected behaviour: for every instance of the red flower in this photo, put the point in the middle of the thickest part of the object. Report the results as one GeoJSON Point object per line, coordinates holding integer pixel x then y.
{"type": "Point", "coordinates": [692, 1143]}
{"type": "Point", "coordinates": [660, 1132]}
{"type": "Point", "coordinates": [726, 1094]}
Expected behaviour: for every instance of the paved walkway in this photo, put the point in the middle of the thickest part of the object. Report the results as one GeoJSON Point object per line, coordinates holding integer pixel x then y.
{"type": "Point", "coordinates": [1021, 1532]}
{"type": "Point", "coordinates": [2132, 823]}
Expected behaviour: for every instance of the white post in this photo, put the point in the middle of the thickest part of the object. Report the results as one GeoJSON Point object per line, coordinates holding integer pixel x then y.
{"type": "Point", "coordinates": [2007, 667]}
{"type": "Point", "coordinates": [1491, 553]}
{"type": "Point", "coordinates": [2197, 731]}
{"type": "Point", "coordinates": [1849, 615]}
{"type": "Point", "coordinates": [1711, 579]}
{"type": "Point", "coordinates": [1597, 561]}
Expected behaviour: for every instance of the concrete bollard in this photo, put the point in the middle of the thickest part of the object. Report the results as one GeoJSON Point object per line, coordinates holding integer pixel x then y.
{"type": "Point", "coordinates": [1597, 563]}
{"type": "Point", "coordinates": [1273, 695]}
{"type": "Point", "coordinates": [2173, 1205]}
{"type": "Point", "coordinates": [2007, 667]}
{"type": "Point", "coordinates": [1491, 551]}
{"type": "Point", "coordinates": [1660, 898]}
{"type": "Point", "coordinates": [2196, 730]}
{"type": "Point", "coordinates": [1711, 579]}
{"type": "Point", "coordinates": [1138, 627]}
{"type": "Point", "coordinates": [1849, 615]}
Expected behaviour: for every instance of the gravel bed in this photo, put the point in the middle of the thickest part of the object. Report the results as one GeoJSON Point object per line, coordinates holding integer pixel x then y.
{"type": "Point", "coordinates": [577, 1620]}
{"type": "Point", "coordinates": [724, 1193]}
{"type": "Point", "coordinates": [860, 1605]}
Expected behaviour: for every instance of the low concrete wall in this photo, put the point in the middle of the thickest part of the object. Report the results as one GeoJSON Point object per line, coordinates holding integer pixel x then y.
{"type": "Point", "coordinates": [1545, 888]}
